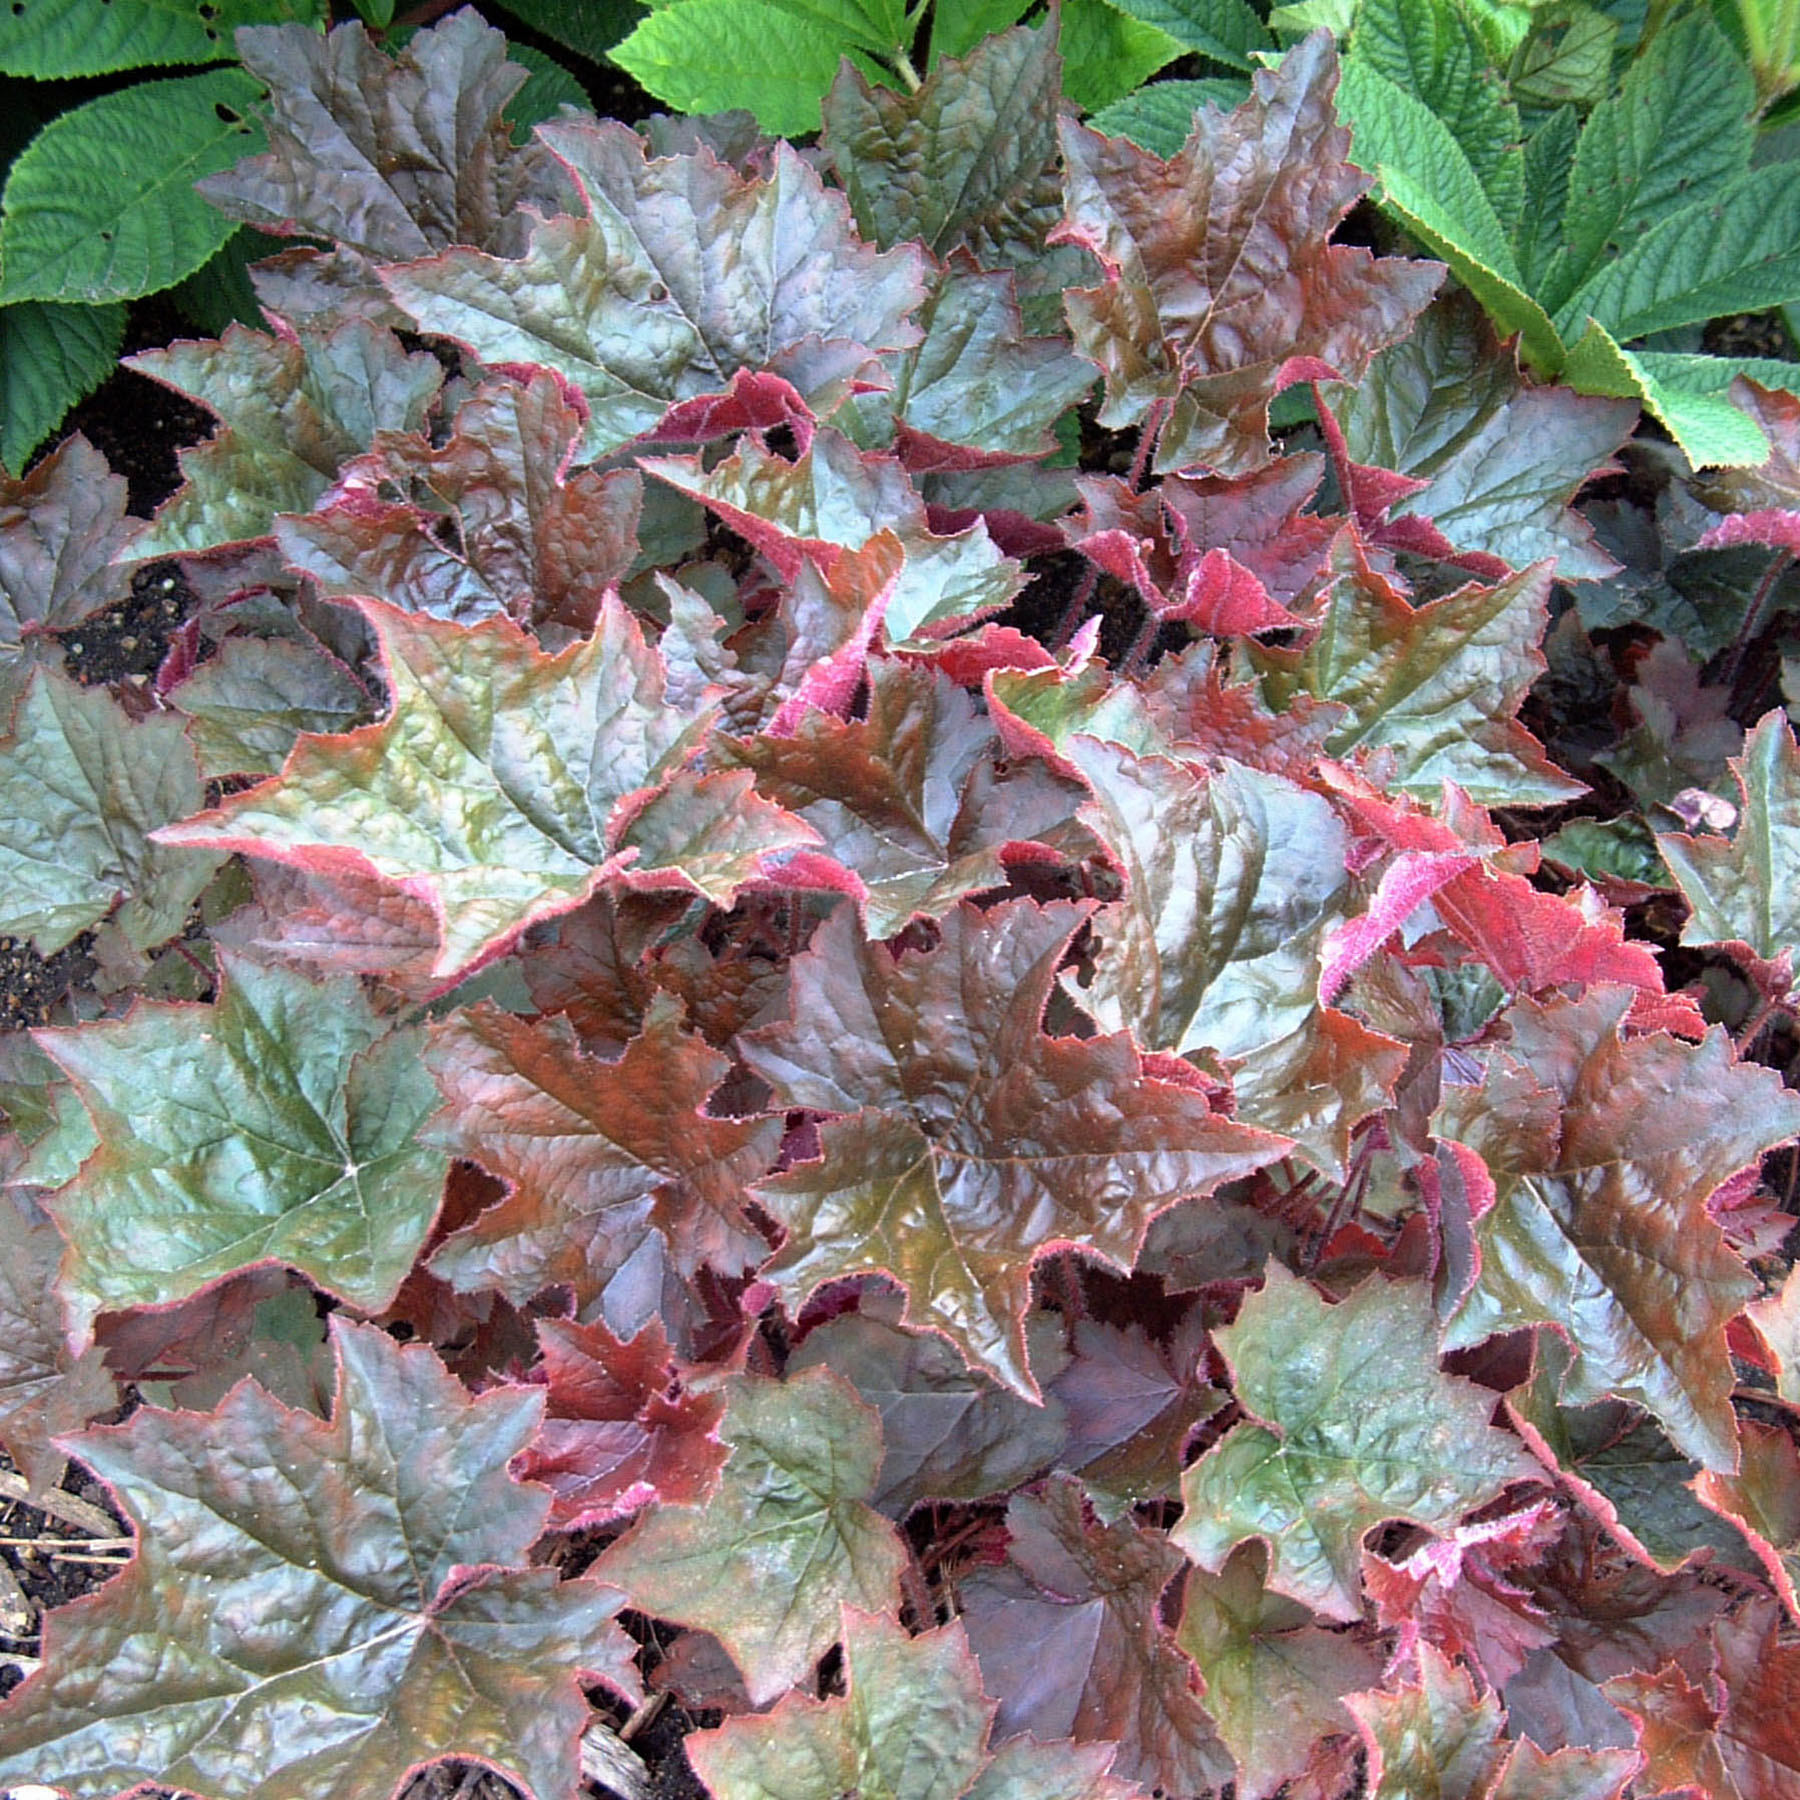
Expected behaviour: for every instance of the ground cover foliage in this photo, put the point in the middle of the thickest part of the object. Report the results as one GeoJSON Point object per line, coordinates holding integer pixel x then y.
{"type": "Point", "coordinates": [956, 940]}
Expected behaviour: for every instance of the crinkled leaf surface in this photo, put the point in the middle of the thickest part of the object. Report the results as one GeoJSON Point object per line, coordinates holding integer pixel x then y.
{"type": "Point", "coordinates": [787, 1537]}
{"type": "Point", "coordinates": [61, 526]}
{"type": "Point", "coordinates": [1350, 1424]}
{"type": "Point", "coordinates": [390, 157]}
{"type": "Point", "coordinates": [365, 1609]}
{"type": "Point", "coordinates": [1222, 287]}
{"type": "Point", "coordinates": [506, 784]}
{"type": "Point", "coordinates": [1274, 1679]}
{"type": "Point", "coordinates": [1600, 1227]}
{"type": "Point", "coordinates": [278, 1124]}
{"type": "Point", "coordinates": [250, 703]}
{"type": "Point", "coordinates": [291, 410]}
{"type": "Point", "coordinates": [1071, 1645]}
{"type": "Point", "coordinates": [532, 541]}
{"type": "Point", "coordinates": [1762, 1500]}
{"type": "Point", "coordinates": [82, 787]}
{"type": "Point", "coordinates": [597, 1155]}
{"type": "Point", "coordinates": [1747, 890]}
{"type": "Point", "coordinates": [974, 1142]}
{"type": "Point", "coordinates": [683, 272]}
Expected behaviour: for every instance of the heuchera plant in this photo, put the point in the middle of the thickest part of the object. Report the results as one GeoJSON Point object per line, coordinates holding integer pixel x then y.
{"type": "Point", "coordinates": [988, 1111]}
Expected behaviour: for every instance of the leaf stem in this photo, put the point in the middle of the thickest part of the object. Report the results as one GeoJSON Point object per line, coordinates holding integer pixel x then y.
{"type": "Point", "coordinates": [1753, 619]}
{"type": "Point", "coordinates": [907, 73]}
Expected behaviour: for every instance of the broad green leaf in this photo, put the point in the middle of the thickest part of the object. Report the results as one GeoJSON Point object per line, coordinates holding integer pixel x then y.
{"type": "Point", "coordinates": [101, 204]}
{"type": "Point", "coordinates": [787, 1538]}
{"type": "Point", "coordinates": [255, 698]}
{"type": "Point", "coordinates": [1275, 1680]}
{"type": "Point", "coordinates": [1107, 52]}
{"type": "Point", "coordinates": [597, 1157]}
{"type": "Point", "coordinates": [277, 1125]}
{"type": "Point", "coordinates": [1566, 59]}
{"type": "Point", "coordinates": [1228, 31]}
{"type": "Point", "coordinates": [1160, 117]}
{"type": "Point", "coordinates": [877, 26]}
{"type": "Point", "coordinates": [52, 40]}
{"type": "Point", "coordinates": [1599, 1227]}
{"type": "Point", "coordinates": [1436, 686]}
{"type": "Point", "coordinates": [367, 1608]}
{"type": "Point", "coordinates": [292, 409]}
{"type": "Point", "coordinates": [1222, 286]}
{"type": "Point", "coordinates": [548, 89]}
{"type": "Point", "coordinates": [1429, 49]}
{"type": "Point", "coordinates": [959, 26]}
{"type": "Point", "coordinates": [588, 27]}
{"type": "Point", "coordinates": [51, 357]}
{"type": "Point", "coordinates": [1747, 890]}
{"type": "Point", "coordinates": [712, 55]}
{"type": "Point", "coordinates": [1677, 132]}
{"type": "Point", "coordinates": [685, 273]}
{"type": "Point", "coordinates": [973, 1139]}
{"type": "Point", "coordinates": [1427, 183]}
{"type": "Point", "coordinates": [1549, 155]}
{"type": "Point", "coordinates": [505, 785]}
{"type": "Point", "coordinates": [82, 787]}
{"type": "Point", "coordinates": [1350, 1423]}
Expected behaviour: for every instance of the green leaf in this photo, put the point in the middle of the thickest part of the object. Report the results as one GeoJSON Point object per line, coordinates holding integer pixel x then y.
{"type": "Point", "coordinates": [704, 56]}
{"type": "Point", "coordinates": [1160, 117]}
{"type": "Point", "coordinates": [1350, 1424]}
{"type": "Point", "coordinates": [278, 1124]}
{"type": "Point", "coordinates": [251, 701]}
{"type": "Point", "coordinates": [407, 1627]}
{"type": "Point", "coordinates": [1106, 52]}
{"type": "Point", "coordinates": [958, 26]}
{"type": "Point", "coordinates": [453, 796]}
{"type": "Point", "coordinates": [101, 204]}
{"type": "Point", "coordinates": [788, 1537]}
{"type": "Point", "coordinates": [54, 40]}
{"type": "Point", "coordinates": [1747, 890]}
{"type": "Point", "coordinates": [82, 786]}
{"type": "Point", "coordinates": [50, 358]}
{"type": "Point", "coordinates": [588, 27]}
{"type": "Point", "coordinates": [1566, 60]}
{"type": "Point", "coordinates": [1228, 31]}
{"type": "Point", "coordinates": [1427, 183]}
{"type": "Point", "coordinates": [877, 26]}
{"type": "Point", "coordinates": [549, 88]}
{"type": "Point", "coordinates": [1676, 133]}
{"type": "Point", "coordinates": [1549, 155]}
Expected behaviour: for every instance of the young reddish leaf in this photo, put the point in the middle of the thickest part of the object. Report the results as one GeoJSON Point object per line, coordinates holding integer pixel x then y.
{"type": "Point", "coordinates": [364, 1612]}
{"type": "Point", "coordinates": [912, 1725]}
{"type": "Point", "coordinates": [1070, 1642]}
{"type": "Point", "coordinates": [389, 157]}
{"type": "Point", "coordinates": [1275, 1681]}
{"type": "Point", "coordinates": [275, 1125]}
{"type": "Point", "coordinates": [1221, 286]}
{"type": "Point", "coordinates": [683, 273]}
{"type": "Point", "coordinates": [1604, 1198]}
{"type": "Point", "coordinates": [834, 499]}
{"type": "Point", "coordinates": [1736, 1738]}
{"type": "Point", "coordinates": [1350, 1424]}
{"type": "Point", "coordinates": [252, 702]}
{"type": "Point", "coordinates": [946, 1433]}
{"type": "Point", "coordinates": [1763, 1501]}
{"type": "Point", "coordinates": [618, 1429]}
{"type": "Point", "coordinates": [976, 1143]}
{"type": "Point", "coordinates": [1257, 519]}
{"type": "Point", "coordinates": [908, 799]}
{"type": "Point", "coordinates": [533, 541]}
{"type": "Point", "coordinates": [786, 1538]}
{"type": "Point", "coordinates": [291, 409]}
{"type": "Point", "coordinates": [1437, 686]}
{"type": "Point", "coordinates": [83, 786]}
{"type": "Point", "coordinates": [1038, 712]}
{"type": "Point", "coordinates": [1777, 1321]}
{"type": "Point", "coordinates": [454, 797]}
{"type": "Point", "coordinates": [43, 1389]}
{"type": "Point", "coordinates": [1747, 890]}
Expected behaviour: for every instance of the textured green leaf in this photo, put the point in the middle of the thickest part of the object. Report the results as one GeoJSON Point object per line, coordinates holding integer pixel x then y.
{"type": "Point", "coordinates": [276, 1125]}
{"type": "Point", "coordinates": [50, 358]}
{"type": "Point", "coordinates": [1229, 31]}
{"type": "Point", "coordinates": [1747, 890]}
{"type": "Point", "coordinates": [253, 700]}
{"type": "Point", "coordinates": [1350, 1423]}
{"type": "Point", "coordinates": [549, 87]}
{"type": "Point", "coordinates": [101, 204]}
{"type": "Point", "coordinates": [787, 1538]}
{"type": "Point", "coordinates": [958, 26]}
{"type": "Point", "coordinates": [1438, 685]}
{"type": "Point", "coordinates": [457, 797]}
{"type": "Point", "coordinates": [1549, 155]}
{"type": "Point", "coordinates": [292, 410]}
{"type": "Point", "coordinates": [588, 27]}
{"type": "Point", "coordinates": [1566, 59]}
{"type": "Point", "coordinates": [82, 787]}
{"type": "Point", "coordinates": [1274, 1679]}
{"type": "Point", "coordinates": [685, 273]}
{"type": "Point", "coordinates": [52, 40]}
{"type": "Point", "coordinates": [1107, 52]}
{"type": "Point", "coordinates": [367, 1609]}
{"type": "Point", "coordinates": [1600, 1227]}
{"type": "Point", "coordinates": [1160, 116]}
{"type": "Point", "coordinates": [975, 1141]}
